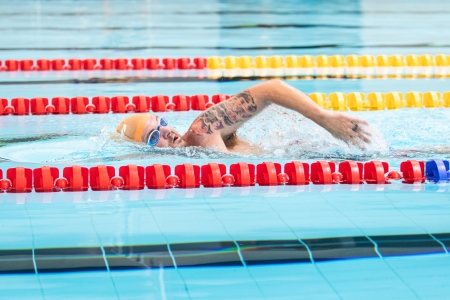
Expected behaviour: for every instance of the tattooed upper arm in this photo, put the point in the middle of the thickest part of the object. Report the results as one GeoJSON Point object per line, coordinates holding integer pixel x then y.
{"type": "Point", "coordinates": [227, 116]}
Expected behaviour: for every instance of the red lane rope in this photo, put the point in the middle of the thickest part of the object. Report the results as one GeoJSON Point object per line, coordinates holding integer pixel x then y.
{"type": "Point", "coordinates": [102, 104]}
{"type": "Point", "coordinates": [214, 175]}
{"type": "Point", "coordinates": [76, 64]}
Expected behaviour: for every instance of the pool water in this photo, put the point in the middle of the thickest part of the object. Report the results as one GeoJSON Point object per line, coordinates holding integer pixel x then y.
{"type": "Point", "coordinates": [279, 242]}
{"type": "Point", "coordinates": [92, 139]}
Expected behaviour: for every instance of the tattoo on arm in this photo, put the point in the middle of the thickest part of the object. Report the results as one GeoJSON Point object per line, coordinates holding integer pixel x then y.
{"type": "Point", "coordinates": [239, 108]}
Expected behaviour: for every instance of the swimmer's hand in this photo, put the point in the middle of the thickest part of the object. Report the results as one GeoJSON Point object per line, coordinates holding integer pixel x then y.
{"type": "Point", "coordinates": [347, 128]}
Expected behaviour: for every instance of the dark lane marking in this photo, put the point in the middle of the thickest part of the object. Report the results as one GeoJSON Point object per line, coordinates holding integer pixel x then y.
{"type": "Point", "coordinates": [219, 254]}
{"type": "Point", "coordinates": [27, 139]}
{"type": "Point", "coordinates": [443, 45]}
{"type": "Point", "coordinates": [341, 248]}
{"type": "Point", "coordinates": [193, 79]}
{"type": "Point", "coordinates": [444, 238]}
{"type": "Point", "coordinates": [273, 252]}
{"type": "Point", "coordinates": [69, 260]}
{"type": "Point", "coordinates": [206, 254]}
{"type": "Point", "coordinates": [243, 26]}
{"type": "Point", "coordinates": [414, 244]}
{"type": "Point", "coordinates": [237, 12]}
{"type": "Point", "coordinates": [138, 257]}
{"type": "Point", "coordinates": [116, 80]}
{"type": "Point", "coordinates": [16, 261]}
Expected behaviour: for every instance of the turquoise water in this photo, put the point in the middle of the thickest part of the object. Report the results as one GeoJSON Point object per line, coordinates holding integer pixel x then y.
{"type": "Point", "coordinates": [70, 245]}
{"type": "Point", "coordinates": [91, 139]}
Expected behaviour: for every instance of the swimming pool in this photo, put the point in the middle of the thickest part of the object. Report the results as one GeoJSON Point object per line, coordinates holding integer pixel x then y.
{"type": "Point", "coordinates": [275, 242]}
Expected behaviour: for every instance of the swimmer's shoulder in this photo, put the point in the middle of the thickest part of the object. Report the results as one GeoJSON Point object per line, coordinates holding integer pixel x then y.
{"type": "Point", "coordinates": [197, 137]}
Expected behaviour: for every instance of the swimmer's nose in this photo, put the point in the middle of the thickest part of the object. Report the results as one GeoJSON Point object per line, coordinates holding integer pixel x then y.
{"type": "Point", "coordinates": [165, 131]}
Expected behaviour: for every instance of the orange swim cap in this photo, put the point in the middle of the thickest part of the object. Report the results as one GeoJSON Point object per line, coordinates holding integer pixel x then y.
{"type": "Point", "coordinates": [133, 126]}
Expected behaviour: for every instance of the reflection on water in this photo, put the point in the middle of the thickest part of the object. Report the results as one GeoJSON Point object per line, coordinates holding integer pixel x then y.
{"type": "Point", "coordinates": [279, 133]}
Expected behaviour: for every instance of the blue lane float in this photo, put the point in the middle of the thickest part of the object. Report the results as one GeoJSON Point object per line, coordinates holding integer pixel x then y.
{"type": "Point", "coordinates": [437, 170]}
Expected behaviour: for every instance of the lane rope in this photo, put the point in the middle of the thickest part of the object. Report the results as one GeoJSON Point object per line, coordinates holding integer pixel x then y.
{"type": "Point", "coordinates": [228, 62]}
{"type": "Point", "coordinates": [355, 101]}
{"type": "Point", "coordinates": [216, 175]}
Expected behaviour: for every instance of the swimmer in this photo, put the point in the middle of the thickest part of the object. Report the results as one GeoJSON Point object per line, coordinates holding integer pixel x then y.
{"type": "Point", "coordinates": [216, 127]}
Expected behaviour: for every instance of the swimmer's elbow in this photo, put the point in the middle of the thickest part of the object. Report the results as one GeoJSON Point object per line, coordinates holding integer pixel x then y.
{"type": "Point", "coordinates": [275, 85]}
{"type": "Point", "coordinates": [276, 81]}
{"type": "Point", "coordinates": [264, 92]}
{"type": "Point", "coordinates": [278, 84]}
{"type": "Point", "coordinates": [272, 85]}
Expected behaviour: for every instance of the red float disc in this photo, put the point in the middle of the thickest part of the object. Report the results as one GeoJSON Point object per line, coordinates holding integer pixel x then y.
{"type": "Point", "coordinates": [5, 184]}
{"type": "Point", "coordinates": [283, 179]}
{"type": "Point", "coordinates": [228, 180]}
{"type": "Point", "coordinates": [172, 181]}
{"type": "Point", "coordinates": [394, 175]}
{"type": "Point", "coordinates": [90, 108]}
{"type": "Point", "coordinates": [117, 182]}
{"type": "Point", "coordinates": [61, 183]}
{"type": "Point", "coordinates": [336, 177]}
{"type": "Point", "coordinates": [49, 109]}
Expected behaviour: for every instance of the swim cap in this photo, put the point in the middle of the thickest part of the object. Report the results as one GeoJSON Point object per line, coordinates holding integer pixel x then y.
{"type": "Point", "coordinates": [133, 126]}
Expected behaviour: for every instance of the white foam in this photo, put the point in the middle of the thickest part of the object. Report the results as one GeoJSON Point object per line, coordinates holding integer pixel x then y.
{"type": "Point", "coordinates": [287, 134]}
{"type": "Point", "coordinates": [278, 132]}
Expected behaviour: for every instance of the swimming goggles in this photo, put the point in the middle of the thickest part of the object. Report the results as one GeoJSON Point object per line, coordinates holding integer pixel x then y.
{"type": "Point", "coordinates": [154, 136]}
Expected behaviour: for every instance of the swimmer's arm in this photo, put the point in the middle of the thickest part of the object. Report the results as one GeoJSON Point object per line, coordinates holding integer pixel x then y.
{"type": "Point", "coordinates": [340, 125]}
{"type": "Point", "coordinates": [226, 117]}
{"type": "Point", "coordinates": [223, 119]}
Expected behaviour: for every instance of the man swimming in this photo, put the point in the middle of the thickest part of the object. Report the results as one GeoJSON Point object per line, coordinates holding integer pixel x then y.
{"type": "Point", "coordinates": [216, 127]}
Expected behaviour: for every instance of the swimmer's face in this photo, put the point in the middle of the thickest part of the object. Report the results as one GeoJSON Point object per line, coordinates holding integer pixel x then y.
{"type": "Point", "coordinates": [168, 136]}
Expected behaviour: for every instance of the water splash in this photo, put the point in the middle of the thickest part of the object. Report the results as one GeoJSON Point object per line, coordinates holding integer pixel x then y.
{"type": "Point", "coordinates": [278, 133]}
{"type": "Point", "coordinates": [286, 134]}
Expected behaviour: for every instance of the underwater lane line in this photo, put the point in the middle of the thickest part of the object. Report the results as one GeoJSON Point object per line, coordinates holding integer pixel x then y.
{"type": "Point", "coordinates": [144, 79]}
{"type": "Point", "coordinates": [220, 253]}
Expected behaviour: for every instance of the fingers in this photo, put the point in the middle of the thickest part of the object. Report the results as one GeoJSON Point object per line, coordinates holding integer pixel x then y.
{"type": "Point", "coordinates": [356, 141]}
{"type": "Point", "coordinates": [351, 130]}
{"type": "Point", "coordinates": [359, 127]}
{"type": "Point", "coordinates": [362, 134]}
{"type": "Point", "coordinates": [363, 131]}
{"type": "Point", "coordinates": [358, 138]}
{"type": "Point", "coordinates": [364, 138]}
{"type": "Point", "coordinates": [359, 121]}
